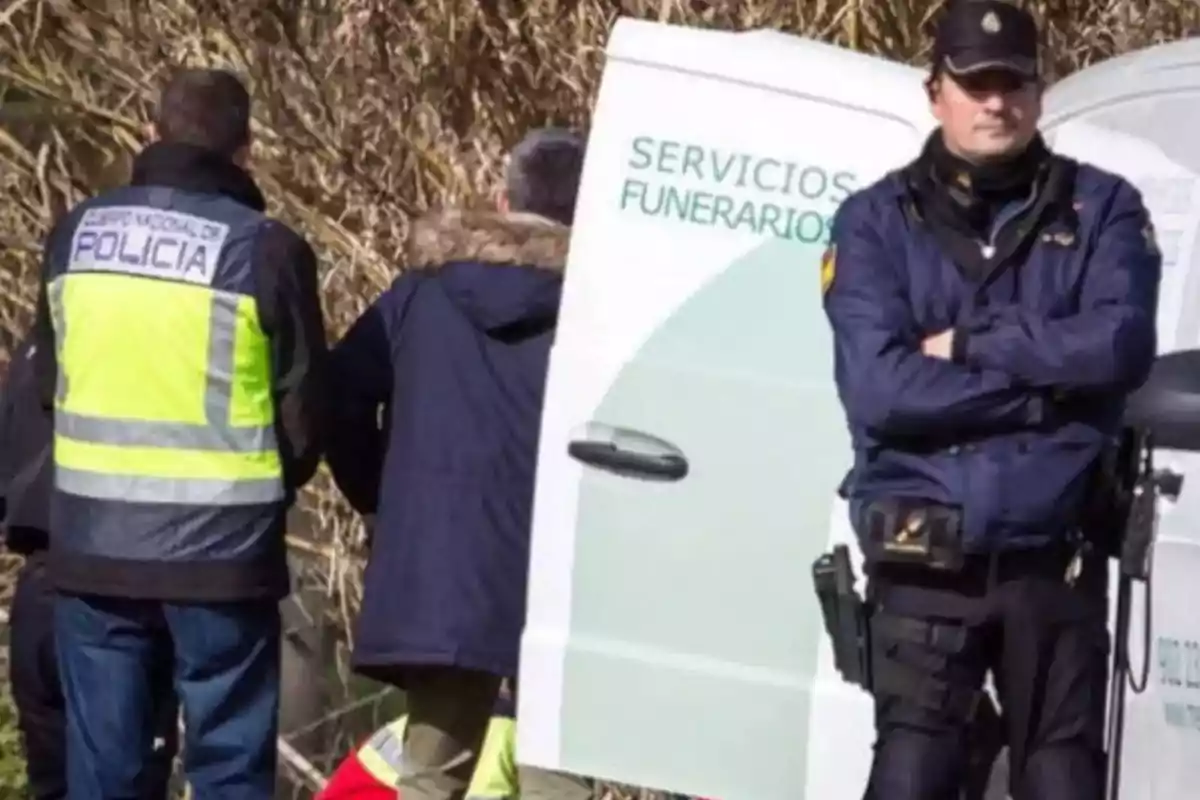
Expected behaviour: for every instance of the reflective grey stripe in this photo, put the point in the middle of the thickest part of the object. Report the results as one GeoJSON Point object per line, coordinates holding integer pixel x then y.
{"type": "Point", "coordinates": [218, 435]}
{"type": "Point", "coordinates": [218, 394]}
{"type": "Point", "coordinates": [178, 435]}
{"type": "Point", "coordinates": [54, 296]}
{"type": "Point", "coordinates": [184, 491]}
{"type": "Point", "coordinates": [388, 746]}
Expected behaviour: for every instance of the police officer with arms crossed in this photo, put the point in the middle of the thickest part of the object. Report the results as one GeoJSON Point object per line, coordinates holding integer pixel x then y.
{"type": "Point", "coordinates": [992, 306]}
{"type": "Point", "coordinates": [180, 343]}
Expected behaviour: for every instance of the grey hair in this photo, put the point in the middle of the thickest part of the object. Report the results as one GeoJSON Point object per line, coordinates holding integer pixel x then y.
{"type": "Point", "coordinates": [543, 173]}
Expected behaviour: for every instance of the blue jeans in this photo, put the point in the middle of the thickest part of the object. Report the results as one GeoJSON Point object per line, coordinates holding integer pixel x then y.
{"type": "Point", "coordinates": [226, 677]}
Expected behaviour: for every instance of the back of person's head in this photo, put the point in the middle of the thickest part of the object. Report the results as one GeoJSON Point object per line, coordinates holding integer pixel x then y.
{"type": "Point", "coordinates": [206, 108]}
{"type": "Point", "coordinates": [543, 174]}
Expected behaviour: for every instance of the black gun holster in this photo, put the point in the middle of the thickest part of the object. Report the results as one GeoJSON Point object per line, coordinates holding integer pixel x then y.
{"type": "Point", "coordinates": [846, 615]}
{"type": "Point", "coordinates": [870, 646]}
{"type": "Point", "coordinates": [1122, 500]}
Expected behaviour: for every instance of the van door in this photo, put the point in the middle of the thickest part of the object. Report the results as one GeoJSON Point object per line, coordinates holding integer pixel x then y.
{"type": "Point", "coordinates": [692, 440]}
{"type": "Point", "coordinates": [1128, 127]}
{"type": "Point", "coordinates": [1142, 125]}
{"type": "Point", "coordinates": [1094, 81]}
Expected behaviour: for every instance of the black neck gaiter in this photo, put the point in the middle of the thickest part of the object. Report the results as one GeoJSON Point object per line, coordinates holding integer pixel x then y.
{"type": "Point", "coordinates": [967, 195]}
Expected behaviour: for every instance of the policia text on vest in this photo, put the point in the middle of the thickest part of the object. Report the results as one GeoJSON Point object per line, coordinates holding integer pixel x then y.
{"type": "Point", "coordinates": [151, 242]}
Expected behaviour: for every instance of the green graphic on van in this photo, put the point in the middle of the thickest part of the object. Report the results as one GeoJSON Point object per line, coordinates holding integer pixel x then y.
{"type": "Point", "coordinates": [715, 609]}
{"type": "Point", "coordinates": [799, 198]}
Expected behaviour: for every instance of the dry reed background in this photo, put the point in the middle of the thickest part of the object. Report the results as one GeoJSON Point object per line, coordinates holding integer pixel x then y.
{"type": "Point", "coordinates": [368, 111]}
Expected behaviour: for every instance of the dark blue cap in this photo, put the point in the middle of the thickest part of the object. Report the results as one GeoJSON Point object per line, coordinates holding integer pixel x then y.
{"type": "Point", "coordinates": [978, 35]}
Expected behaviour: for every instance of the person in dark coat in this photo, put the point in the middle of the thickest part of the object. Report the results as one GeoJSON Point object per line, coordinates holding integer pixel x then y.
{"type": "Point", "coordinates": [26, 431]}
{"type": "Point", "coordinates": [452, 360]}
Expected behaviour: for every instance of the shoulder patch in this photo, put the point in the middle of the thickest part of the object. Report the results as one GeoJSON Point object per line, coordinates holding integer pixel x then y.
{"type": "Point", "coordinates": [828, 267]}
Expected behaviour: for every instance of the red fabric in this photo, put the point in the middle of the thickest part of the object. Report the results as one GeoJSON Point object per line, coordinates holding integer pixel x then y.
{"type": "Point", "coordinates": [352, 782]}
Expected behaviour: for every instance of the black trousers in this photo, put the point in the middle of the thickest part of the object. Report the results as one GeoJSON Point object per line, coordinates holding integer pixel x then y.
{"type": "Point", "coordinates": [38, 695]}
{"type": "Point", "coordinates": [1042, 636]}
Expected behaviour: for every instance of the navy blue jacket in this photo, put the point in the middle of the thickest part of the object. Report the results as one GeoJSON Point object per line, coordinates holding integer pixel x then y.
{"type": "Point", "coordinates": [26, 466]}
{"type": "Point", "coordinates": [436, 408]}
{"type": "Point", "coordinates": [1046, 352]}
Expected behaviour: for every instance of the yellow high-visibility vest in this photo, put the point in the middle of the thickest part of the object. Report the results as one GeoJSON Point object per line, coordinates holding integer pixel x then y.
{"type": "Point", "coordinates": [495, 775]}
{"type": "Point", "coordinates": [164, 388]}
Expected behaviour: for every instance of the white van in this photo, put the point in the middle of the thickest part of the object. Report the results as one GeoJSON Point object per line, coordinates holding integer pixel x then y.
{"type": "Point", "coordinates": [692, 440]}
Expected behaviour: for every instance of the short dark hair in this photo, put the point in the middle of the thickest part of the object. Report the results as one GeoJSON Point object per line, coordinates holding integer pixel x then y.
{"type": "Point", "coordinates": [543, 173]}
{"type": "Point", "coordinates": [208, 108]}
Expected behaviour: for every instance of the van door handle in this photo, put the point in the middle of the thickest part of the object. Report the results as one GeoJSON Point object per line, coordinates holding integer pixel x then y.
{"type": "Point", "coordinates": [628, 453]}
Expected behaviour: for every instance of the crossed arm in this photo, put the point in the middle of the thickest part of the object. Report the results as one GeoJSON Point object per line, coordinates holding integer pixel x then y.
{"type": "Point", "coordinates": [1000, 369]}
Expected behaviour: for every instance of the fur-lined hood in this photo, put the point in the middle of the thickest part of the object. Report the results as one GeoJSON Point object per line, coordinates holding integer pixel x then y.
{"type": "Point", "coordinates": [488, 237]}
{"type": "Point", "coordinates": [502, 271]}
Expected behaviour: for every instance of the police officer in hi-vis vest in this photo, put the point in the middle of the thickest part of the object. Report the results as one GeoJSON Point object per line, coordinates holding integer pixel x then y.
{"type": "Point", "coordinates": [181, 348]}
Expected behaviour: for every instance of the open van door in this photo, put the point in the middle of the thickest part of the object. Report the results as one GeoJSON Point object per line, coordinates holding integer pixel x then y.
{"type": "Point", "coordinates": [1142, 124]}
{"type": "Point", "coordinates": [1094, 82]}
{"type": "Point", "coordinates": [692, 441]}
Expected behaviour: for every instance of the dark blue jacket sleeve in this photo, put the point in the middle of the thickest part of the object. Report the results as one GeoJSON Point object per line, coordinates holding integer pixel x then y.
{"type": "Point", "coordinates": [361, 376]}
{"type": "Point", "coordinates": [885, 383]}
{"type": "Point", "coordinates": [1111, 342]}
